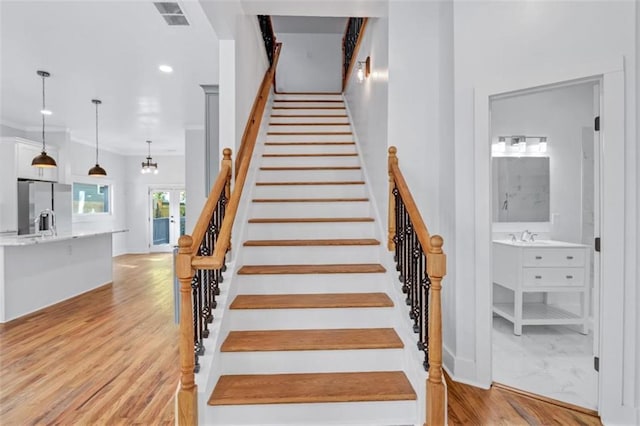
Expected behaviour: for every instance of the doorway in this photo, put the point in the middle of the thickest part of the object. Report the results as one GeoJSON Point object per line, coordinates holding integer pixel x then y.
{"type": "Point", "coordinates": [166, 218]}
{"type": "Point", "coordinates": [545, 192]}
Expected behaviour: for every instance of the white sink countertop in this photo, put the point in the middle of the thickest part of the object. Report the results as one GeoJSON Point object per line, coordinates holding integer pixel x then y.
{"type": "Point", "coordinates": [27, 240]}
{"type": "Point", "coordinates": [538, 243]}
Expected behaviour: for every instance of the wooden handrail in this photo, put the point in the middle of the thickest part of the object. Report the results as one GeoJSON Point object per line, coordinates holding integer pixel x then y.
{"type": "Point", "coordinates": [436, 268]}
{"type": "Point", "coordinates": [354, 56]}
{"type": "Point", "coordinates": [395, 175]}
{"type": "Point", "coordinates": [222, 181]}
{"type": "Point", "coordinates": [252, 127]}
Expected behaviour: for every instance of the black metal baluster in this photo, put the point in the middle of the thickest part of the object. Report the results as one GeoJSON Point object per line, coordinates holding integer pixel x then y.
{"type": "Point", "coordinates": [268, 36]}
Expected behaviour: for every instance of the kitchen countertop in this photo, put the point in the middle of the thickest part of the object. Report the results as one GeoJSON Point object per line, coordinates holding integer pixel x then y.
{"type": "Point", "coordinates": [27, 240]}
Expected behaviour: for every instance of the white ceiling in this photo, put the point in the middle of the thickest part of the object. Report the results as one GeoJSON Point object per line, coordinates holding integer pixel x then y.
{"type": "Point", "coordinates": [108, 50]}
{"type": "Point", "coordinates": [345, 8]}
{"type": "Point", "coordinates": [308, 24]}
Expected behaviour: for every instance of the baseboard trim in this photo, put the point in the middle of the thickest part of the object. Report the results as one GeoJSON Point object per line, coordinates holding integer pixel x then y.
{"type": "Point", "coordinates": [545, 399]}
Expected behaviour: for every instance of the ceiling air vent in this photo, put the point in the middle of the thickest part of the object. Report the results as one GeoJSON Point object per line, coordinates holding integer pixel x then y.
{"type": "Point", "coordinates": [172, 13]}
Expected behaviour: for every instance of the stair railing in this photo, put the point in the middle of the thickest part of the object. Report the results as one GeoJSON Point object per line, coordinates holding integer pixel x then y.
{"type": "Point", "coordinates": [353, 33]}
{"type": "Point", "coordinates": [421, 264]}
{"type": "Point", "coordinates": [201, 255]}
{"type": "Point", "coordinates": [268, 35]}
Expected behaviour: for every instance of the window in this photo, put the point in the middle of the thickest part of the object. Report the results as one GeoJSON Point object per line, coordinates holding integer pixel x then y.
{"type": "Point", "coordinates": [91, 198]}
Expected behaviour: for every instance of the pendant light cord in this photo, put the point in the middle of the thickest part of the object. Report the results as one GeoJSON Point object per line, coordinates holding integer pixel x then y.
{"type": "Point", "coordinates": [43, 108]}
{"type": "Point", "coordinates": [96, 133]}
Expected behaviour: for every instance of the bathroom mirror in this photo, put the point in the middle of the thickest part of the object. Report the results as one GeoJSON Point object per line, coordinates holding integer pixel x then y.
{"type": "Point", "coordinates": [520, 189]}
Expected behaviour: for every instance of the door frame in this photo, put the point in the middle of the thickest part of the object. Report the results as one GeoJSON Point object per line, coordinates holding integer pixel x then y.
{"type": "Point", "coordinates": [159, 188]}
{"type": "Point", "coordinates": [612, 137]}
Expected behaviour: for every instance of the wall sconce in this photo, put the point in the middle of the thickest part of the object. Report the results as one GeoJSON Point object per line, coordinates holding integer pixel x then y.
{"type": "Point", "coordinates": [518, 146]}
{"type": "Point", "coordinates": [542, 145]}
{"type": "Point", "coordinates": [363, 69]}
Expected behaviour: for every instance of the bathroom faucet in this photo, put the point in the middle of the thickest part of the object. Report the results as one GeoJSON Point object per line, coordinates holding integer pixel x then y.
{"type": "Point", "coordinates": [526, 235]}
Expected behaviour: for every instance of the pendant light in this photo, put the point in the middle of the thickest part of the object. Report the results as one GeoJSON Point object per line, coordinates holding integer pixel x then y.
{"type": "Point", "coordinates": [43, 160]}
{"type": "Point", "coordinates": [97, 170]}
{"type": "Point", "coordinates": [148, 166]}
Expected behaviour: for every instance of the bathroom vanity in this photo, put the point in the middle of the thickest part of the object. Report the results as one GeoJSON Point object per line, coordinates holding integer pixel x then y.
{"type": "Point", "coordinates": [541, 267]}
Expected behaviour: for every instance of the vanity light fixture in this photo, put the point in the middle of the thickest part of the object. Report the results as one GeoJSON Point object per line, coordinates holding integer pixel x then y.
{"type": "Point", "coordinates": [43, 160]}
{"type": "Point", "coordinates": [148, 166]}
{"type": "Point", "coordinates": [363, 69]}
{"type": "Point", "coordinates": [97, 170]}
{"type": "Point", "coordinates": [501, 146]}
{"type": "Point", "coordinates": [542, 145]}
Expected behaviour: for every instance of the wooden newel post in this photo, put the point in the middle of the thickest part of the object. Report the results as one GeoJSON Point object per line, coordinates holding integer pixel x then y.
{"type": "Point", "coordinates": [226, 160]}
{"type": "Point", "coordinates": [437, 269]}
{"type": "Point", "coordinates": [188, 392]}
{"type": "Point", "coordinates": [393, 160]}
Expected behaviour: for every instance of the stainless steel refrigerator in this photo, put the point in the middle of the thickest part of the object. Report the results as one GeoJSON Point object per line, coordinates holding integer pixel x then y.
{"type": "Point", "coordinates": [36, 197]}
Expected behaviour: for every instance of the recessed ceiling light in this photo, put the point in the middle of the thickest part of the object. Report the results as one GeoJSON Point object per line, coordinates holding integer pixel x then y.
{"type": "Point", "coordinates": [45, 112]}
{"type": "Point", "coordinates": [165, 68]}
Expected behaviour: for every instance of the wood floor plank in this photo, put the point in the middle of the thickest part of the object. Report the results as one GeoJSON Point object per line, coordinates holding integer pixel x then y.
{"type": "Point", "coordinates": [311, 387]}
{"type": "Point", "coordinates": [307, 168]}
{"type": "Point", "coordinates": [311, 340]}
{"type": "Point", "coordinates": [319, 154]}
{"type": "Point", "coordinates": [347, 182]}
{"type": "Point", "coordinates": [310, 219]}
{"type": "Point", "coordinates": [312, 301]}
{"type": "Point", "coordinates": [309, 200]}
{"type": "Point", "coordinates": [303, 243]}
{"type": "Point", "coordinates": [343, 268]}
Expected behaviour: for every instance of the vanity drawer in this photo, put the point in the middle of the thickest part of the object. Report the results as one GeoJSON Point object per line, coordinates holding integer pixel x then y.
{"type": "Point", "coordinates": [539, 277]}
{"type": "Point", "coordinates": [553, 257]}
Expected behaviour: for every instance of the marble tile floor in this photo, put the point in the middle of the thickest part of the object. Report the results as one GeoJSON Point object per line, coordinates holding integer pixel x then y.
{"type": "Point", "coordinates": [553, 361]}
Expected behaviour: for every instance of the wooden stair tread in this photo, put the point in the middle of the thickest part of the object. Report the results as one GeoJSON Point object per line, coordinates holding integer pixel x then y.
{"type": "Point", "coordinates": [309, 200]}
{"type": "Point", "coordinates": [303, 168]}
{"type": "Point", "coordinates": [310, 219]}
{"type": "Point", "coordinates": [308, 115]}
{"type": "Point", "coordinates": [345, 182]}
{"type": "Point", "coordinates": [308, 100]}
{"type": "Point", "coordinates": [322, 154]}
{"type": "Point", "coordinates": [306, 107]}
{"type": "Point", "coordinates": [312, 387]}
{"type": "Point", "coordinates": [342, 268]}
{"type": "Point", "coordinates": [312, 301]}
{"type": "Point", "coordinates": [311, 340]}
{"type": "Point", "coordinates": [307, 143]}
{"type": "Point", "coordinates": [304, 243]}
{"type": "Point", "coordinates": [308, 133]}
{"type": "Point", "coordinates": [308, 124]}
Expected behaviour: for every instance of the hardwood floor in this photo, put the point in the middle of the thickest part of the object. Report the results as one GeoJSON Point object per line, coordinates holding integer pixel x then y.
{"type": "Point", "coordinates": [110, 357]}
{"type": "Point", "coordinates": [107, 357]}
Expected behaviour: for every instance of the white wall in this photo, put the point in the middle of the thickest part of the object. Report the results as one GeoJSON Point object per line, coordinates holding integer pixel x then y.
{"type": "Point", "coordinates": [498, 42]}
{"type": "Point", "coordinates": [310, 63]}
{"type": "Point", "coordinates": [194, 176]}
{"type": "Point", "coordinates": [421, 126]}
{"type": "Point", "coordinates": [171, 175]}
{"type": "Point", "coordinates": [368, 106]}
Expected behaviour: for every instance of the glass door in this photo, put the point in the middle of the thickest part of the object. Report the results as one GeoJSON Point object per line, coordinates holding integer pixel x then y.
{"type": "Point", "coordinates": [167, 218]}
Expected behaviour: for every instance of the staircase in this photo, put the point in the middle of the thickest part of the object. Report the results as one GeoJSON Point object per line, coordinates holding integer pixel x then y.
{"type": "Point", "coordinates": [314, 329]}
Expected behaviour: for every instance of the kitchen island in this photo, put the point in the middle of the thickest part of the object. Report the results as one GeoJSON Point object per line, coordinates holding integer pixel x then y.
{"type": "Point", "coordinates": [39, 271]}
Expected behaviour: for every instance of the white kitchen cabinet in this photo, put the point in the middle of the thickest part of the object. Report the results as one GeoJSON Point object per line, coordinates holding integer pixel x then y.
{"type": "Point", "coordinates": [541, 267]}
{"type": "Point", "coordinates": [26, 151]}
{"type": "Point", "coordinates": [8, 186]}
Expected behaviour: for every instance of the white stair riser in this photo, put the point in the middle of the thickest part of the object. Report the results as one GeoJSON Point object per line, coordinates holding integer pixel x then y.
{"type": "Point", "coordinates": [310, 138]}
{"type": "Point", "coordinates": [309, 175]}
{"type": "Point", "coordinates": [311, 283]}
{"type": "Point", "coordinates": [314, 128]}
{"type": "Point", "coordinates": [314, 104]}
{"type": "Point", "coordinates": [337, 119]}
{"type": "Point", "coordinates": [309, 161]}
{"type": "Point", "coordinates": [345, 413]}
{"type": "Point", "coordinates": [302, 210]}
{"type": "Point", "coordinates": [310, 149]}
{"type": "Point", "coordinates": [308, 111]}
{"type": "Point", "coordinates": [299, 191]}
{"type": "Point", "coordinates": [308, 96]}
{"type": "Point", "coordinates": [325, 361]}
{"type": "Point", "coordinates": [309, 255]}
{"type": "Point", "coordinates": [272, 231]}
{"type": "Point", "coordinates": [296, 319]}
